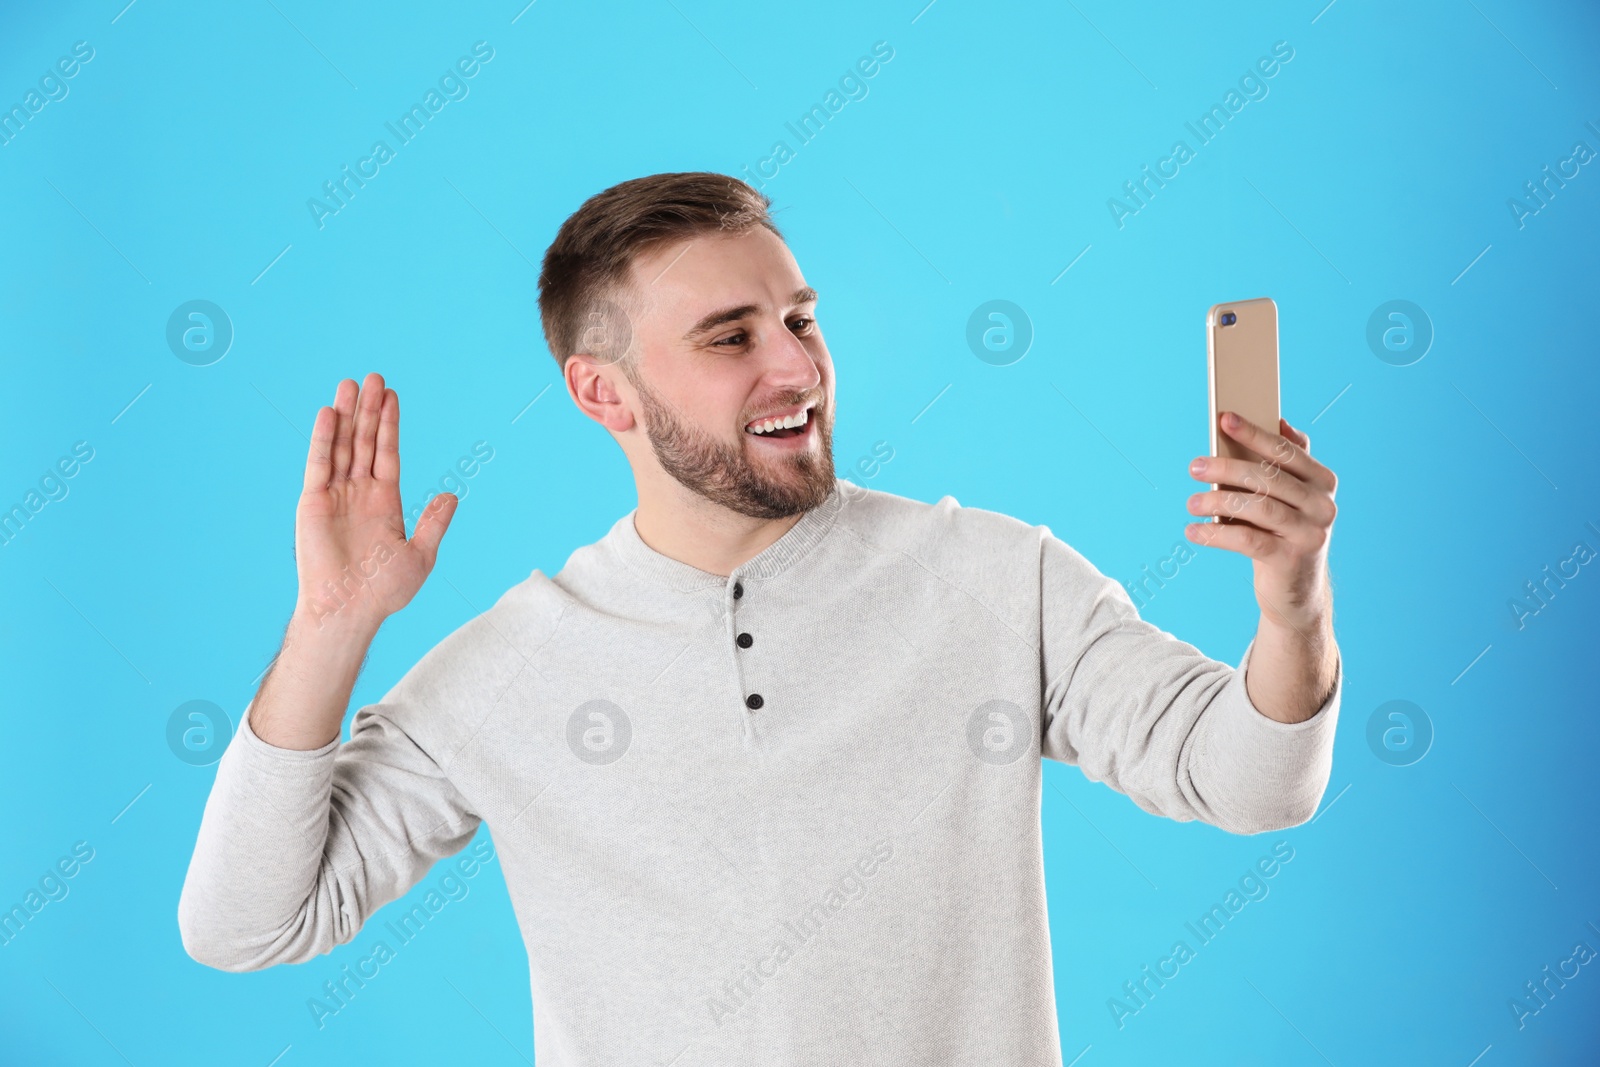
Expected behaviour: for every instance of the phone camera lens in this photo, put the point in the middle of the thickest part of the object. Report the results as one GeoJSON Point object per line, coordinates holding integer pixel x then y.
{"type": "Point", "coordinates": [1229, 318]}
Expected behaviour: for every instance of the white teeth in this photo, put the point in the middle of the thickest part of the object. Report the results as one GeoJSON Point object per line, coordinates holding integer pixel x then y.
{"type": "Point", "coordinates": [768, 425]}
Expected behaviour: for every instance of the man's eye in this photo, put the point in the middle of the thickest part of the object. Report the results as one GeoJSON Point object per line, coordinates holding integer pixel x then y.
{"type": "Point", "coordinates": [802, 325]}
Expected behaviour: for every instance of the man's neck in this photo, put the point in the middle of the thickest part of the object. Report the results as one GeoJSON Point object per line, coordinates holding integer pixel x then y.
{"type": "Point", "coordinates": [704, 535]}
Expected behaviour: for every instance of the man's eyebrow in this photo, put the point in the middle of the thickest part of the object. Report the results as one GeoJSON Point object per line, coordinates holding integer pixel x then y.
{"type": "Point", "coordinates": [803, 295]}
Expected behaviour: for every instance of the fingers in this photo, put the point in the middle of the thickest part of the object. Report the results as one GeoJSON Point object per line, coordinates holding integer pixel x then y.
{"type": "Point", "coordinates": [1257, 509]}
{"type": "Point", "coordinates": [1279, 449]}
{"type": "Point", "coordinates": [1235, 537]}
{"type": "Point", "coordinates": [1293, 526]}
{"type": "Point", "coordinates": [368, 405]}
{"type": "Point", "coordinates": [1294, 435]}
{"type": "Point", "coordinates": [355, 428]}
{"type": "Point", "coordinates": [319, 460]}
{"type": "Point", "coordinates": [386, 464]}
{"type": "Point", "coordinates": [1264, 478]}
{"type": "Point", "coordinates": [344, 404]}
{"type": "Point", "coordinates": [431, 527]}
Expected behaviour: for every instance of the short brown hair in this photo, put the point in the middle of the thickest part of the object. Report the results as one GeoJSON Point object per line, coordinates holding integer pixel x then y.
{"type": "Point", "coordinates": [585, 273]}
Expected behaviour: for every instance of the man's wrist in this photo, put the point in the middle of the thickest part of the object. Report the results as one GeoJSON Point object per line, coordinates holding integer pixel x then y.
{"type": "Point", "coordinates": [333, 630]}
{"type": "Point", "coordinates": [326, 648]}
{"type": "Point", "coordinates": [1314, 625]}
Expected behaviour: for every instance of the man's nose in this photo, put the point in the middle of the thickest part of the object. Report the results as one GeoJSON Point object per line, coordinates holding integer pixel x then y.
{"type": "Point", "coordinates": [794, 367]}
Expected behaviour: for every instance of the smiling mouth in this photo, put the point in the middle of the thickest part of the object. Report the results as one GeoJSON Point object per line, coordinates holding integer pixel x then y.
{"type": "Point", "coordinates": [792, 426]}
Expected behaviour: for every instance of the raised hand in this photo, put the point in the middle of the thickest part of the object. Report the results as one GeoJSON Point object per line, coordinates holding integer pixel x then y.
{"type": "Point", "coordinates": [355, 565]}
{"type": "Point", "coordinates": [1285, 517]}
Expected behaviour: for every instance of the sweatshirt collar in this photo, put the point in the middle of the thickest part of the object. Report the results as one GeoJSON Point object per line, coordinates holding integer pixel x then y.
{"type": "Point", "coordinates": [771, 561]}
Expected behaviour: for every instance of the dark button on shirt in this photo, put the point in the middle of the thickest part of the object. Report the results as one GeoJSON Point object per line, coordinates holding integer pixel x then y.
{"type": "Point", "coordinates": [738, 590]}
{"type": "Point", "coordinates": [745, 640]}
{"type": "Point", "coordinates": [753, 701]}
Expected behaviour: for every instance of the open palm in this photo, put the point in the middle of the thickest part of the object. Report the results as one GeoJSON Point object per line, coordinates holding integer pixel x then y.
{"type": "Point", "coordinates": [355, 565]}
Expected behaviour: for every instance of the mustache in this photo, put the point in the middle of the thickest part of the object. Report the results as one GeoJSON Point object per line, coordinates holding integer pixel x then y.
{"type": "Point", "coordinates": [815, 403]}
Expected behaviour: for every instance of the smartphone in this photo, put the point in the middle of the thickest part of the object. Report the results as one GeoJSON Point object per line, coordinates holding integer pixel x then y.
{"type": "Point", "coordinates": [1242, 364]}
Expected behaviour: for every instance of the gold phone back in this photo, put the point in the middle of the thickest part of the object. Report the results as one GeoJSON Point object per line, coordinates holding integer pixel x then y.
{"type": "Point", "coordinates": [1243, 370]}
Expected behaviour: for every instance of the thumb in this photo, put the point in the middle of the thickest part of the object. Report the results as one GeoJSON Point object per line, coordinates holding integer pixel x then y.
{"type": "Point", "coordinates": [431, 526]}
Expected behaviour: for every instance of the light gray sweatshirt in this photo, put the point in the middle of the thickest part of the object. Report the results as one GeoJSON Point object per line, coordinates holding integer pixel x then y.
{"type": "Point", "coordinates": [787, 816]}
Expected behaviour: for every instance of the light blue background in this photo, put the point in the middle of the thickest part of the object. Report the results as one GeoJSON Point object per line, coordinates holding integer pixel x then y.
{"type": "Point", "coordinates": [1421, 898]}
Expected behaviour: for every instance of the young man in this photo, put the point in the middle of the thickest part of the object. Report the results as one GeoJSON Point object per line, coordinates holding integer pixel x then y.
{"type": "Point", "coordinates": [762, 765]}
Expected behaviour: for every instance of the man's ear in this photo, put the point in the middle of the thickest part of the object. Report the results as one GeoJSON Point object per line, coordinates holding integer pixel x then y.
{"type": "Point", "coordinates": [592, 384]}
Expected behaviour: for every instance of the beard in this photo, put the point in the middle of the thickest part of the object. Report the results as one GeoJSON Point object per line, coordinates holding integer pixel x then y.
{"type": "Point", "coordinates": [774, 487]}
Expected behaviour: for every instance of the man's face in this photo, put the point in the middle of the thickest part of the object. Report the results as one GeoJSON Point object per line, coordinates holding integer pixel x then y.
{"type": "Point", "coordinates": [724, 335]}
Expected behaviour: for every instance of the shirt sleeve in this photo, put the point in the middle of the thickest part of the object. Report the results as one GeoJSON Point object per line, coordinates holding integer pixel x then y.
{"type": "Point", "coordinates": [1151, 716]}
{"type": "Point", "coordinates": [296, 849]}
